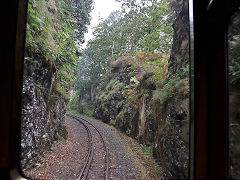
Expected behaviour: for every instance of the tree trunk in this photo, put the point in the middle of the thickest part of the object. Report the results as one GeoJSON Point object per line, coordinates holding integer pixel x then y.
{"type": "Point", "coordinates": [92, 93]}
{"type": "Point", "coordinates": [80, 107]}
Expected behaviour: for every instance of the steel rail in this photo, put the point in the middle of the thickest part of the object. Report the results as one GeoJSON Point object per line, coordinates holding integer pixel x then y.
{"type": "Point", "coordinates": [90, 151]}
{"type": "Point", "coordinates": [80, 119]}
{"type": "Point", "coordinates": [105, 147]}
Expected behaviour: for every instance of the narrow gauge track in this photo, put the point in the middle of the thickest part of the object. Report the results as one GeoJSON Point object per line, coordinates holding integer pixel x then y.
{"type": "Point", "coordinates": [97, 161]}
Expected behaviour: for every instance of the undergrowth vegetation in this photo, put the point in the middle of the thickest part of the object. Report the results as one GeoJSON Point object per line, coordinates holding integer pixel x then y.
{"type": "Point", "coordinates": [133, 74]}
{"type": "Point", "coordinates": [142, 156]}
{"type": "Point", "coordinates": [177, 84]}
{"type": "Point", "coordinates": [55, 32]}
{"type": "Point", "coordinates": [159, 61]}
{"type": "Point", "coordinates": [142, 30]}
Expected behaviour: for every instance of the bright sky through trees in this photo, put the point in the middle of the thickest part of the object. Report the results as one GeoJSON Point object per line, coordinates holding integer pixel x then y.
{"type": "Point", "coordinates": [102, 9]}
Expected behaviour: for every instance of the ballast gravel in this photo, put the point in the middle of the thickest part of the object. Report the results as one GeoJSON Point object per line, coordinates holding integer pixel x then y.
{"type": "Point", "coordinates": [65, 160]}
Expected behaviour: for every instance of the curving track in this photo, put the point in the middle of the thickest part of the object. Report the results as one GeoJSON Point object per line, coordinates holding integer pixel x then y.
{"type": "Point", "coordinates": [96, 165]}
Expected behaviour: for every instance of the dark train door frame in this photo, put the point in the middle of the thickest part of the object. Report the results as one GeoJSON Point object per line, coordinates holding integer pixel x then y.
{"type": "Point", "coordinates": [12, 32]}
{"type": "Point", "coordinates": [209, 92]}
{"type": "Point", "coordinates": [209, 87]}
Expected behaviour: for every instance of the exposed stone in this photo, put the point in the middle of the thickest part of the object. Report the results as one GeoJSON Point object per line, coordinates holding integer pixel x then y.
{"type": "Point", "coordinates": [180, 51]}
{"type": "Point", "coordinates": [162, 120]}
{"type": "Point", "coordinates": [40, 123]}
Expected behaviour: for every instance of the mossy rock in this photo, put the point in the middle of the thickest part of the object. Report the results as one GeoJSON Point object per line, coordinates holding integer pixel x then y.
{"type": "Point", "coordinates": [64, 132]}
{"type": "Point", "coordinates": [52, 99]}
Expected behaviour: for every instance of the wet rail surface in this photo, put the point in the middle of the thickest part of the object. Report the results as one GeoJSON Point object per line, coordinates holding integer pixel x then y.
{"type": "Point", "coordinates": [96, 165]}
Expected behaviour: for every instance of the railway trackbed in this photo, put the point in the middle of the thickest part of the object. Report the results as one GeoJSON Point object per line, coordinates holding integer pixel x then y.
{"type": "Point", "coordinates": [92, 150]}
{"type": "Point", "coordinates": [96, 165]}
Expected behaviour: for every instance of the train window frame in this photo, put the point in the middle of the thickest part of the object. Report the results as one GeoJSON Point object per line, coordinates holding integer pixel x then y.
{"type": "Point", "coordinates": [210, 83]}
{"type": "Point", "coordinates": [209, 88]}
{"type": "Point", "coordinates": [208, 157]}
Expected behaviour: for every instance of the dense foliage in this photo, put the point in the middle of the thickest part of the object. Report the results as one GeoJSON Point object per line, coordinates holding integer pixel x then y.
{"type": "Point", "coordinates": [125, 78]}
{"type": "Point", "coordinates": [143, 27]}
{"type": "Point", "coordinates": [55, 31]}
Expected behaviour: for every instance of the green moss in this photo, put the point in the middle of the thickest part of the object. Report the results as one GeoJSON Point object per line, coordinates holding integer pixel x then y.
{"type": "Point", "coordinates": [64, 132]}
{"type": "Point", "coordinates": [142, 158]}
{"type": "Point", "coordinates": [109, 85]}
{"type": "Point", "coordinates": [52, 99]}
{"type": "Point", "coordinates": [63, 81]}
{"type": "Point", "coordinates": [112, 88]}
{"type": "Point", "coordinates": [51, 37]}
{"type": "Point", "coordinates": [174, 86]}
{"type": "Point", "coordinates": [149, 113]}
{"type": "Point", "coordinates": [88, 108]}
{"type": "Point", "coordinates": [104, 96]}
{"type": "Point", "coordinates": [127, 116]}
{"type": "Point", "coordinates": [73, 103]}
{"type": "Point", "coordinates": [147, 149]}
{"type": "Point", "coordinates": [71, 111]}
{"type": "Point", "coordinates": [120, 103]}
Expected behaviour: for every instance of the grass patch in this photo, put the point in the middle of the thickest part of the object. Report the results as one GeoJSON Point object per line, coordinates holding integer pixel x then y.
{"type": "Point", "coordinates": [112, 88]}
{"type": "Point", "coordinates": [147, 149]}
{"type": "Point", "coordinates": [73, 111]}
{"type": "Point", "coordinates": [143, 159]}
{"type": "Point", "coordinates": [88, 108]}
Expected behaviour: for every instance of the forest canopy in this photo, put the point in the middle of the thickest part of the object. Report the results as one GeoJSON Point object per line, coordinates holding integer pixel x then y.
{"type": "Point", "coordinates": [145, 27]}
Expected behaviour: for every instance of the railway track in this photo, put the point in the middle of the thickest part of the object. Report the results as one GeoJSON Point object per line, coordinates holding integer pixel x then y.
{"type": "Point", "coordinates": [96, 165]}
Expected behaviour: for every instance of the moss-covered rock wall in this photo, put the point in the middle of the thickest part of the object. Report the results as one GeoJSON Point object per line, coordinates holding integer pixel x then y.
{"type": "Point", "coordinates": [55, 30]}
{"type": "Point", "coordinates": [131, 101]}
{"type": "Point", "coordinates": [43, 109]}
{"type": "Point", "coordinates": [147, 97]}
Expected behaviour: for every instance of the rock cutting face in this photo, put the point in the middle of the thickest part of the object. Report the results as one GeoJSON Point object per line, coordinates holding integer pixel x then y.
{"type": "Point", "coordinates": [156, 114]}
{"type": "Point", "coordinates": [42, 112]}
